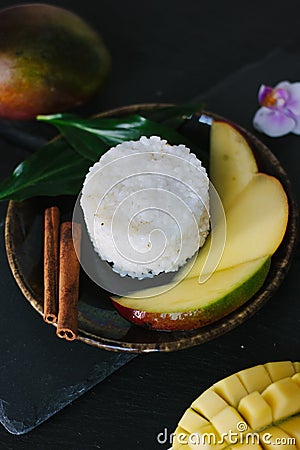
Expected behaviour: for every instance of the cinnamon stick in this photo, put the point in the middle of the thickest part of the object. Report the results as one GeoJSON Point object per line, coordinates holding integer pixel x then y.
{"type": "Point", "coordinates": [68, 291]}
{"type": "Point", "coordinates": [51, 263]}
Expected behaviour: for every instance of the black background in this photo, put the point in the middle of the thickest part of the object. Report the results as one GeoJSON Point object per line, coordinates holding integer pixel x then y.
{"type": "Point", "coordinates": [172, 51]}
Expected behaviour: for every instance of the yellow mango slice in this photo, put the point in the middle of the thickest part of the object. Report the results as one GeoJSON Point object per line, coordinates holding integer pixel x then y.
{"type": "Point", "coordinates": [255, 379]}
{"type": "Point", "coordinates": [228, 419]}
{"type": "Point", "coordinates": [209, 404]}
{"type": "Point", "coordinates": [232, 163]}
{"type": "Point", "coordinates": [284, 398]}
{"type": "Point", "coordinates": [231, 390]}
{"type": "Point", "coordinates": [292, 428]}
{"type": "Point", "coordinates": [261, 209]}
{"type": "Point", "coordinates": [248, 445]}
{"type": "Point", "coordinates": [180, 439]}
{"type": "Point", "coordinates": [206, 439]}
{"type": "Point", "coordinates": [238, 417]}
{"type": "Point", "coordinates": [256, 411]}
{"type": "Point", "coordinates": [274, 438]}
{"type": "Point", "coordinates": [296, 366]}
{"type": "Point", "coordinates": [178, 446]}
{"type": "Point", "coordinates": [296, 378]}
{"type": "Point", "coordinates": [280, 369]}
{"type": "Point", "coordinates": [191, 421]}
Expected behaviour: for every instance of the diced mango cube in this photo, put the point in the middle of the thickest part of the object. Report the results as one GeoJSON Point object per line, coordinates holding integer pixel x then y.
{"type": "Point", "coordinates": [231, 390]}
{"type": "Point", "coordinates": [178, 446]}
{"type": "Point", "coordinates": [274, 439]}
{"type": "Point", "coordinates": [284, 398]}
{"type": "Point", "coordinates": [248, 445]}
{"type": "Point", "coordinates": [296, 378]}
{"type": "Point", "coordinates": [209, 404]}
{"type": "Point", "coordinates": [280, 369]}
{"type": "Point", "coordinates": [256, 411]}
{"type": "Point", "coordinates": [180, 439]}
{"type": "Point", "coordinates": [292, 427]}
{"type": "Point", "coordinates": [255, 379]}
{"type": "Point", "coordinates": [206, 439]}
{"type": "Point", "coordinates": [229, 420]}
{"type": "Point", "coordinates": [296, 366]}
{"type": "Point", "coordinates": [191, 421]}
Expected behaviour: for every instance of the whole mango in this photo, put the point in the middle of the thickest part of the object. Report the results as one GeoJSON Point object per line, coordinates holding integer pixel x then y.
{"type": "Point", "coordinates": [50, 60]}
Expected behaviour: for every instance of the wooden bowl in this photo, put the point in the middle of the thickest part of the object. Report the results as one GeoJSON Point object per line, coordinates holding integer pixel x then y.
{"type": "Point", "coordinates": [99, 323]}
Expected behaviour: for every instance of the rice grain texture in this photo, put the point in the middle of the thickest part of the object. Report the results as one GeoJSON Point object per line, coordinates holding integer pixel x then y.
{"type": "Point", "coordinates": [146, 206]}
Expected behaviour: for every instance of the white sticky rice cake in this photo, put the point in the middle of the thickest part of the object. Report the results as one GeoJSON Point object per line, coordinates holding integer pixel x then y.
{"type": "Point", "coordinates": [146, 206]}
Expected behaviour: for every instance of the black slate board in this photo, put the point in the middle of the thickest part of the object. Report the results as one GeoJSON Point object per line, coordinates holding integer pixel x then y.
{"type": "Point", "coordinates": [39, 374]}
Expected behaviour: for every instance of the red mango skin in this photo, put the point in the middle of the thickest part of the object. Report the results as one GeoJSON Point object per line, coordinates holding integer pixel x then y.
{"type": "Point", "coordinates": [164, 322]}
{"type": "Point", "coordinates": [50, 60]}
{"type": "Point", "coordinates": [190, 320]}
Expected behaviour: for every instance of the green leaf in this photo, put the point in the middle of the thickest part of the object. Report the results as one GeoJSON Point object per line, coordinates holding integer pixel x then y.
{"type": "Point", "coordinates": [174, 116]}
{"type": "Point", "coordinates": [81, 133]}
{"type": "Point", "coordinates": [55, 169]}
{"type": "Point", "coordinates": [59, 168]}
{"type": "Point", "coordinates": [88, 145]}
{"type": "Point", "coordinates": [109, 131]}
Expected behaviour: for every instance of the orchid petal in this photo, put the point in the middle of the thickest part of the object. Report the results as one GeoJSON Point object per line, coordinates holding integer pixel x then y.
{"type": "Point", "coordinates": [272, 122]}
{"type": "Point", "coordinates": [283, 85]}
{"type": "Point", "coordinates": [296, 129]}
{"type": "Point", "coordinates": [293, 103]}
{"type": "Point", "coordinates": [281, 95]}
{"type": "Point", "coordinates": [264, 91]}
{"type": "Point", "coordinates": [273, 98]}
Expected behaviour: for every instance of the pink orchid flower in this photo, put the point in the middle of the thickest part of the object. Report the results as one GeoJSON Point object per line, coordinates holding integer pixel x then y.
{"type": "Point", "coordinates": [280, 109]}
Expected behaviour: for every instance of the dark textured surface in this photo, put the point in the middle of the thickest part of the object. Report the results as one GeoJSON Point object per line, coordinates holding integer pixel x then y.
{"type": "Point", "coordinates": [167, 51]}
{"type": "Point", "coordinates": [39, 373]}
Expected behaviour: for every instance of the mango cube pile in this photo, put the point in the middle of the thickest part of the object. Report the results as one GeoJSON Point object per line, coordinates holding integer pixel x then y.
{"type": "Point", "coordinates": [257, 408]}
